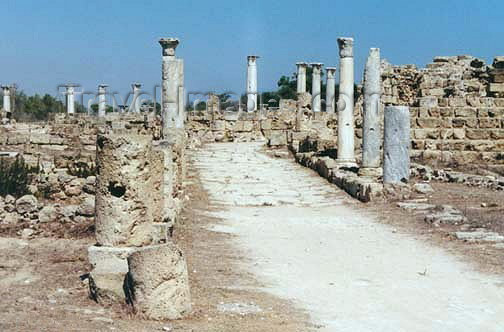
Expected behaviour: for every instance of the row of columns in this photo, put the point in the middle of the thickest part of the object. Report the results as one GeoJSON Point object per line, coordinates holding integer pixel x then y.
{"type": "Point", "coordinates": [371, 143]}
{"type": "Point", "coordinates": [70, 93]}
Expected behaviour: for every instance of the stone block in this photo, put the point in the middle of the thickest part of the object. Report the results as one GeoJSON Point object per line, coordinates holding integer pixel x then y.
{"type": "Point", "coordinates": [158, 286]}
{"type": "Point", "coordinates": [466, 112]}
{"type": "Point", "coordinates": [110, 267]}
{"type": "Point", "coordinates": [489, 123]}
{"type": "Point", "coordinates": [497, 134]}
{"type": "Point", "coordinates": [477, 134]}
{"type": "Point", "coordinates": [496, 87]}
{"type": "Point", "coordinates": [277, 138]}
{"type": "Point", "coordinates": [428, 122]}
{"type": "Point", "coordinates": [428, 102]}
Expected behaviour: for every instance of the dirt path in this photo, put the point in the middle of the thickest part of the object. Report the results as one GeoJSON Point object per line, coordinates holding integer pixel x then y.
{"type": "Point", "coordinates": [307, 243]}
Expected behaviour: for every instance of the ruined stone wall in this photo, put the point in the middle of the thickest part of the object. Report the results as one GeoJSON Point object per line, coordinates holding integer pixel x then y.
{"type": "Point", "coordinates": [457, 109]}
{"type": "Point", "coordinates": [67, 140]}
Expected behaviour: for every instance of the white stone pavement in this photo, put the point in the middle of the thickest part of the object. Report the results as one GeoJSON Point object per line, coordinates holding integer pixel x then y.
{"type": "Point", "coordinates": [306, 243]}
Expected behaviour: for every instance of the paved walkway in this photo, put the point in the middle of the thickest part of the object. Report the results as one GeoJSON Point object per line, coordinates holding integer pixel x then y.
{"type": "Point", "coordinates": [348, 271]}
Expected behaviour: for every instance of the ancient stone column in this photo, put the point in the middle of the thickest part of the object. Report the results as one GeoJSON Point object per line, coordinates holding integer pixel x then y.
{"type": "Point", "coordinates": [124, 202]}
{"type": "Point", "coordinates": [330, 89]}
{"type": "Point", "coordinates": [316, 90]}
{"type": "Point", "coordinates": [70, 98]}
{"type": "Point", "coordinates": [159, 282]}
{"type": "Point", "coordinates": [252, 83]}
{"type": "Point", "coordinates": [396, 145]}
{"type": "Point", "coordinates": [371, 134]}
{"type": "Point", "coordinates": [345, 106]}
{"type": "Point", "coordinates": [7, 98]}
{"type": "Point", "coordinates": [301, 76]}
{"type": "Point", "coordinates": [135, 104]}
{"type": "Point", "coordinates": [102, 105]}
{"type": "Point", "coordinates": [171, 76]}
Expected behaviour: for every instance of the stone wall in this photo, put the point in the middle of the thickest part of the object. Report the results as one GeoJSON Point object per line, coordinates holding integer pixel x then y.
{"type": "Point", "coordinates": [67, 140]}
{"type": "Point", "coordinates": [457, 109]}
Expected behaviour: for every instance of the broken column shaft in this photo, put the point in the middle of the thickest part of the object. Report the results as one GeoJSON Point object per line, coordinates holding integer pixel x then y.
{"type": "Point", "coordinates": [396, 145]}
{"type": "Point", "coordinates": [371, 135]}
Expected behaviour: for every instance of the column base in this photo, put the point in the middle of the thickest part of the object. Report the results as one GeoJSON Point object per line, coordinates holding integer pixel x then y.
{"type": "Point", "coordinates": [370, 171]}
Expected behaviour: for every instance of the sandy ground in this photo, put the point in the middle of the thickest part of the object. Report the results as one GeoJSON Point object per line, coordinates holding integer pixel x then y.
{"type": "Point", "coordinates": [307, 243]}
{"type": "Point", "coordinates": [41, 290]}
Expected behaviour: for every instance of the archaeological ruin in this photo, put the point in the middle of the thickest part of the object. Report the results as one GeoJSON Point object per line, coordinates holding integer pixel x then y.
{"type": "Point", "coordinates": [124, 174]}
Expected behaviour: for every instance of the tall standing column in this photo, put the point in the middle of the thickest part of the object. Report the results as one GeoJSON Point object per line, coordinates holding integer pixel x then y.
{"type": "Point", "coordinates": [316, 90]}
{"type": "Point", "coordinates": [135, 104]}
{"type": "Point", "coordinates": [346, 140]}
{"type": "Point", "coordinates": [7, 98]}
{"type": "Point", "coordinates": [371, 134]}
{"type": "Point", "coordinates": [330, 89]}
{"type": "Point", "coordinates": [252, 83]}
{"type": "Point", "coordinates": [301, 76]}
{"type": "Point", "coordinates": [70, 98]}
{"type": "Point", "coordinates": [396, 144]}
{"type": "Point", "coordinates": [102, 105]}
{"type": "Point", "coordinates": [171, 77]}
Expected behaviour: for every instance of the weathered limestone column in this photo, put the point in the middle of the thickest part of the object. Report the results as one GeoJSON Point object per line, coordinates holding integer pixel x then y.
{"type": "Point", "coordinates": [346, 140]}
{"type": "Point", "coordinates": [181, 116]}
{"type": "Point", "coordinates": [135, 103]}
{"type": "Point", "coordinates": [330, 89]}
{"type": "Point", "coordinates": [316, 90]}
{"type": "Point", "coordinates": [252, 83]}
{"type": "Point", "coordinates": [159, 282]}
{"type": "Point", "coordinates": [102, 105]}
{"type": "Point", "coordinates": [371, 134]}
{"type": "Point", "coordinates": [301, 77]}
{"type": "Point", "coordinates": [70, 98]}
{"type": "Point", "coordinates": [7, 98]}
{"type": "Point", "coordinates": [396, 145]}
{"type": "Point", "coordinates": [124, 202]}
{"type": "Point", "coordinates": [171, 77]}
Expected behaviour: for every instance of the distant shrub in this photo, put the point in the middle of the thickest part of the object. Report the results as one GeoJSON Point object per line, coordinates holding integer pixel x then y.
{"type": "Point", "coordinates": [15, 177]}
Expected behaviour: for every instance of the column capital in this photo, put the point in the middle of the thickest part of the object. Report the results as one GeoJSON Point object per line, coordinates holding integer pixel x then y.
{"type": "Point", "coordinates": [136, 86]}
{"type": "Point", "coordinates": [102, 88]}
{"type": "Point", "coordinates": [252, 58]}
{"type": "Point", "coordinates": [317, 66]}
{"type": "Point", "coordinates": [345, 45]}
{"type": "Point", "coordinates": [169, 45]}
{"type": "Point", "coordinates": [302, 64]}
{"type": "Point", "coordinates": [6, 88]}
{"type": "Point", "coordinates": [330, 72]}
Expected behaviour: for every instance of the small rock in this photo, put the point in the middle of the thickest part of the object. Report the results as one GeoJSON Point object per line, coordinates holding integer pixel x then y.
{"type": "Point", "coordinates": [484, 205]}
{"type": "Point", "coordinates": [26, 204]}
{"type": "Point", "coordinates": [47, 214]}
{"type": "Point", "coordinates": [90, 185]}
{"type": "Point", "coordinates": [103, 320]}
{"type": "Point", "coordinates": [10, 199]}
{"type": "Point", "coordinates": [27, 233]}
{"type": "Point", "coordinates": [423, 188]}
{"type": "Point", "coordinates": [87, 207]}
{"type": "Point", "coordinates": [74, 187]}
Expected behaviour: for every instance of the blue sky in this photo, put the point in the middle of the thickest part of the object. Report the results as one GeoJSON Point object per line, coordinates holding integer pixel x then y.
{"type": "Point", "coordinates": [46, 43]}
